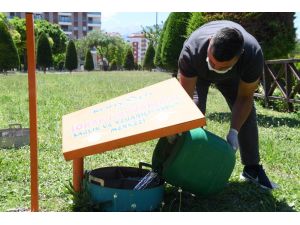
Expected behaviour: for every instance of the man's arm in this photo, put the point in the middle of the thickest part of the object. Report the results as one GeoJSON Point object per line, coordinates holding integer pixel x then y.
{"type": "Point", "coordinates": [188, 83]}
{"type": "Point", "coordinates": [243, 104]}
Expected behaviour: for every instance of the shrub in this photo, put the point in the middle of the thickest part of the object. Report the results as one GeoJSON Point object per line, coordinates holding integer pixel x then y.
{"type": "Point", "coordinates": [71, 61]}
{"type": "Point", "coordinates": [9, 58]}
{"type": "Point", "coordinates": [89, 63]}
{"type": "Point", "coordinates": [140, 67]}
{"type": "Point", "coordinates": [273, 30]}
{"type": "Point", "coordinates": [149, 58]}
{"type": "Point", "coordinates": [59, 61]}
{"type": "Point", "coordinates": [157, 58]}
{"type": "Point", "coordinates": [44, 52]}
{"type": "Point", "coordinates": [129, 60]}
{"type": "Point", "coordinates": [61, 65]}
{"type": "Point", "coordinates": [54, 32]}
{"type": "Point", "coordinates": [173, 39]}
{"type": "Point", "coordinates": [113, 65]}
{"type": "Point", "coordinates": [197, 19]}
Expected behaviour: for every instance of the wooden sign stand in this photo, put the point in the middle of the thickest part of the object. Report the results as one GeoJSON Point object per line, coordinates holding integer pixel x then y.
{"type": "Point", "coordinates": [152, 112]}
{"type": "Point", "coordinates": [32, 112]}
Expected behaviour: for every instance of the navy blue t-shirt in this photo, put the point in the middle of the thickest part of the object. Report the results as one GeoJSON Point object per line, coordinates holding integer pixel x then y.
{"type": "Point", "coordinates": [192, 59]}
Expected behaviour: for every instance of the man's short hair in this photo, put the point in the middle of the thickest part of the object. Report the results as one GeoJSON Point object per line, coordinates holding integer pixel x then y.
{"type": "Point", "coordinates": [227, 43]}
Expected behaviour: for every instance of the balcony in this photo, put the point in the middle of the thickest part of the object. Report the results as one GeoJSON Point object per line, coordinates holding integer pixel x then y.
{"type": "Point", "coordinates": [94, 24]}
{"type": "Point", "coordinates": [65, 14]}
{"type": "Point", "coordinates": [94, 14]}
{"type": "Point", "coordinates": [64, 23]}
{"type": "Point", "coordinates": [64, 20]}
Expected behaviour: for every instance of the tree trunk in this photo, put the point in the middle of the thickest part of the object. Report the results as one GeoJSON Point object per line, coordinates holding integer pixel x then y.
{"type": "Point", "coordinates": [25, 60]}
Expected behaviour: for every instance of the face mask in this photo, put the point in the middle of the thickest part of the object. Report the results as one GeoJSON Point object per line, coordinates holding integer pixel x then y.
{"type": "Point", "coordinates": [217, 71]}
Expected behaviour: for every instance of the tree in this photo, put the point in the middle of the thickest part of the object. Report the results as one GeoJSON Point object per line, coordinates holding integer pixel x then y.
{"type": "Point", "coordinates": [273, 30]}
{"type": "Point", "coordinates": [19, 26]}
{"type": "Point", "coordinates": [99, 40]}
{"type": "Point", "coordinates": [59, 61]}
{"type": "Point", "coordinates": [4, 19]}
{"type": "Point", "coordinates": [89, 64]}
{"type": "Point", "coordinates": [44, 52]}
{"type": "Point", "coordinates": [96, 39]}
{"type": "Point", "coordinates": [129, 60]}
{"type": "Point", "coordinates": [117, 51]}
{"type": "Point", "coordinates": [152, 33]}
{"type": "Point", "coordinates": [81, 46]}
{"type": "Point", "coordinates": [109, 47]}
{"type": "Point", "coordinates": [197, 19]}
{"type": "Point", "coordinates": [149, 58]}
{"type": "Point", "coordinates": [173, 39]}
{"type": "Point", "coordinates": [9, 58]}
{"type": "Point", "coordinates": [113, 65]}
{"type": "Point", "coordinates": [71, 61]}
{"type": "Point", "coordinates": [157, 58]}
{"type": "Point", "coordinates": [55, 32]}
{"type": "Point", "coordinates": [55, 35]}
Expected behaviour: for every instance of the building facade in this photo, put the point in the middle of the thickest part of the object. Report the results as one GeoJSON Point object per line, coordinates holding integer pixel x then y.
{"type": "Point", "coordinates": [139, 46]}
{"type": "Point", "coordinates": [74, 24]}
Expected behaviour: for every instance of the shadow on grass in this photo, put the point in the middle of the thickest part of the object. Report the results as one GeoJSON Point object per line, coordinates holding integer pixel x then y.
{"type": "Point", "coordinates": [236, 197]}
{"type": "Point", "coordinates": [262, 120]}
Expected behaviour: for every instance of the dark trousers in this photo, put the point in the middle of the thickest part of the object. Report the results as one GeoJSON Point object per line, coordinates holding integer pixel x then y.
{"type": "Point", "coordinates": [248, 135]}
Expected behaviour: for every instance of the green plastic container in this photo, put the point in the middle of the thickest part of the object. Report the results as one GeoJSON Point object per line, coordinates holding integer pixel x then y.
{"type": "Point", "coordinates": [199, 162]}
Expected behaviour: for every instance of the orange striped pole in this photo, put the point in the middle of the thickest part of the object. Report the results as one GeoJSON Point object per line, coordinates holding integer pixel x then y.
{"type": "Point", "coordinates": [32, 112]}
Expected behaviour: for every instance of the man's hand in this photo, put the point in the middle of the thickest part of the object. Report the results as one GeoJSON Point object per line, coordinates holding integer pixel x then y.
{"type": "Point", "coordinates": [232, 138]}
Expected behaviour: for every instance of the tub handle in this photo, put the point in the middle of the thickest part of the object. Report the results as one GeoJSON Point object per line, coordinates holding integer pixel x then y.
{"type": "Point", "coordinates": [141, 164]}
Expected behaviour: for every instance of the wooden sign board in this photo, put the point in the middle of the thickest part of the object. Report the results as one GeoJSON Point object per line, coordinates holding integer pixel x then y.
{"type": "Point", "coordinates": [155, 111]}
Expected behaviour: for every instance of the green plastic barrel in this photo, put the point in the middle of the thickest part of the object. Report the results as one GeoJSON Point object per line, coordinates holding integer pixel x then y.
{"type": "Point", "coordinates": [199, 162]}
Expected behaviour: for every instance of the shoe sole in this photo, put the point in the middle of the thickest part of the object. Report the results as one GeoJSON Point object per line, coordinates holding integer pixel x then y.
{"type": "Point", "coordinates": [274, 185]}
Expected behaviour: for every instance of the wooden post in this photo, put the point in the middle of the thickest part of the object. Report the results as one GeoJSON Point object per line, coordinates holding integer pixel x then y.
{"type": "Point", "coordinates": [289, 86]}
{"type": "Point", "coordinates": [265, 86]}
{"type": "Point", "coordinates": [32, 112]}
{"type": "Point", "coordinates": [77, 173]}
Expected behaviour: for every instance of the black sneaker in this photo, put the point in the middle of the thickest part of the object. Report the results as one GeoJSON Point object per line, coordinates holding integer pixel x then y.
{"type": "Point", "coordinates": [257, 175]}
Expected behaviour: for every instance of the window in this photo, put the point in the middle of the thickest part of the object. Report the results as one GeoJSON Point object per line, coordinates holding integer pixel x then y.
{"type": "Point", "coordinates": [64, 28]}
{"type": "Point", "coordinates": [96, 20]}
{"type": "Point", "coordinates": [64, 19]}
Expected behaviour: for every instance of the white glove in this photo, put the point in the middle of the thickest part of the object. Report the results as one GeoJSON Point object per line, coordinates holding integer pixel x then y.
{"type": "Point", "coordinates": [232, 138]}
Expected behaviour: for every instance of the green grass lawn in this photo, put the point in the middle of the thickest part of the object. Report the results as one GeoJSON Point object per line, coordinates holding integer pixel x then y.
{"type": "Point", "coordinates": [59, 94]}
